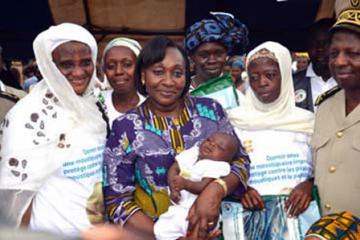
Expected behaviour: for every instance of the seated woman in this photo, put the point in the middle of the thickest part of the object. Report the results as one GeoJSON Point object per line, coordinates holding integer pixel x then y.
{"type": "Point", "coordinates": [53, 139]}
{"type": "Point", "coordinates": [119, 60]}
{"type": "Point", "coordinates": [276, 134]}
{"type": "Point", "coordinates": [144, 142]}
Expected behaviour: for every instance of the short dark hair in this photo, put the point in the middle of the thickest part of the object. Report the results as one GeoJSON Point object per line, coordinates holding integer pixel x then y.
{"type": "Point", "coordinates": [320, 26]}
{"type": "Point", "coordinates": [153, 52]}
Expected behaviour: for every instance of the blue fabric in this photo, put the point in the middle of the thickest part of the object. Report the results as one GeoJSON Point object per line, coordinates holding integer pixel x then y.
{"type": "Point", "coordinates": [30, 81]}
{"type": "Point", "coordinates": [269, 224]}
{"type": "Point", "coordinates": [238, 64]}
{"type": "Point", "coordinates": [223, 28]}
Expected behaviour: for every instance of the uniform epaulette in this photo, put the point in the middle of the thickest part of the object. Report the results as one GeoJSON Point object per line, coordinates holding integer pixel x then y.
{"type": "Point", "coordinates": [326, 95]}
{"type": "Point", "coordinates": [9, 96]}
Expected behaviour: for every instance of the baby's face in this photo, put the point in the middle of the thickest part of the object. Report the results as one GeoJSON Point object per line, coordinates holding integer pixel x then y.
{"type": "Point", "coordinates": [218, 147]}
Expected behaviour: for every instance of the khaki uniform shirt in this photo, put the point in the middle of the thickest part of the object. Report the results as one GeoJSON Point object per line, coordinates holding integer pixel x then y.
{"type": "Point", "coordinates": [6, 102]}
{"type": "Point", "coordinates": [13, 91]}
{"type": "Point", "coordinates": [336, 149]}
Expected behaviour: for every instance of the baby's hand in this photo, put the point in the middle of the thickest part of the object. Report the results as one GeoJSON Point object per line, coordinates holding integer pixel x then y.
{"type": "Point", "coordinates": [178, 183]}
{"type": "Point", "coordinates": [175, 196]}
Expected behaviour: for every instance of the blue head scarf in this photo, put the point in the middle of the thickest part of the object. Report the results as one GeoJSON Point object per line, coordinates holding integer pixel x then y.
{"type": "Point", "coordinates": [238, 63]}
{"type": "Point", "coordinates": [223, 28]}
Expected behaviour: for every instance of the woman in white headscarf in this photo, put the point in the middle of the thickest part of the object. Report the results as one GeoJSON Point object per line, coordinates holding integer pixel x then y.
{"type": "Point", "coordinates": [118, 63]}
{"type": "Point", "coordinates": [276, 134]}
{"type": "Point", "coordinates": [52, 140]}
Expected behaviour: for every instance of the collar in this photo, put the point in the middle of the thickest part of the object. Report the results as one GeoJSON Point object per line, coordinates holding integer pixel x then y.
{"type": "Point", "coordinates": [310, 71]}
{"type": "Point", "coordinates": [2, 87]}
{"type": "Point", "coordinates": [311, 74]}
{"type": "Point", "coordinates": [193, 80]}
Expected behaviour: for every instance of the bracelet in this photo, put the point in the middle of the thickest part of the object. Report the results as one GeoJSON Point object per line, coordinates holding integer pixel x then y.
{"type": "Point", "coordinates": [222, 184]}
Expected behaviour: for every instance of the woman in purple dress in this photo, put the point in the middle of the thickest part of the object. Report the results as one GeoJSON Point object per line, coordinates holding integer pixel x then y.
{"type": "Point", "coordinates": [144, 142]}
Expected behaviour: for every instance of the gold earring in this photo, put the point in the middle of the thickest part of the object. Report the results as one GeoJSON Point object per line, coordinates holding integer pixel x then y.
{"type": "Point", "coordinates": [142, 81]}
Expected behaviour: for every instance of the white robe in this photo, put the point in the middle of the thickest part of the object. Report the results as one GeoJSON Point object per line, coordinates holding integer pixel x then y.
{"type": "Point", "coordinates": [43, 132]}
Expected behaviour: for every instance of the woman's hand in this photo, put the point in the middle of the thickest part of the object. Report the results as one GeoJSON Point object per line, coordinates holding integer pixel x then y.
{"type": "Point", "coordinates": [213, 234]}
{"type": "Point", "coordinates": [252, 199]}
{"type": "Point", "coordinates": [300, 198]}
{"type": "Point", "coordinates": [203, 215]}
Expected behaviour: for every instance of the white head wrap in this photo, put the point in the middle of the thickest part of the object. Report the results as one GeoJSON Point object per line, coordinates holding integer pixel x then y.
{"type": "Point", "coordinates": [132, 44]}
{"type": "Point", "coordinates": [282, 114]}
{"type": "Point", "coordinates": [83, 107]}
{"type": "Point", "coordinates": [33, 129]}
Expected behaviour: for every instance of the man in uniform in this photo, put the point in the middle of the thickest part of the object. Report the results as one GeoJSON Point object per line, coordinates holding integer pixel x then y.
{"type": "Point", "coordinates": [7, 100]}
{"type": "Point", "coordinates": [336, 140]}
{"type": "Point", "coordinates": [8, 97]}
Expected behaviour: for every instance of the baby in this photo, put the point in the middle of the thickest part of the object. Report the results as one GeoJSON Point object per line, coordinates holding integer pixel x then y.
{"type": "Point", "coordinates": [191, 172]}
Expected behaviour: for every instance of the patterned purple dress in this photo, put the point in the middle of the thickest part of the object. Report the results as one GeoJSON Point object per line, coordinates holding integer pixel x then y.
{"type": "Point", "coordinates": [142, 147]}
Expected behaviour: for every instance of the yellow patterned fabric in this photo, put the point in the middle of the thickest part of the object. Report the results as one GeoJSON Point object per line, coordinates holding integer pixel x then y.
{"type": "Point", "coordinates": [337, 226]}
{"type": "Point", "coordinates": [348, 19]}
{"type": "Point", "coordinates": [153, 205]}
{"type": "Point", "coordinates": [262, 53]}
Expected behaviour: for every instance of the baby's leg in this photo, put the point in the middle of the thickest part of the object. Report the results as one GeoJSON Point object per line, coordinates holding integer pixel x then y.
{"type": "Point", "coordinates": [172, 224]}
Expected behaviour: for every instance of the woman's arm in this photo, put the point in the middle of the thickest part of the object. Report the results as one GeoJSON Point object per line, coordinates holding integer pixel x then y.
{"type": "Point", "coordinates": [180, 183]}
{"type": "Point", "coordinates": [207, 206]}
{"type": "Point", "coordinates": [240, 167]}
{"type": "Point", "coordinates": [205, 211]}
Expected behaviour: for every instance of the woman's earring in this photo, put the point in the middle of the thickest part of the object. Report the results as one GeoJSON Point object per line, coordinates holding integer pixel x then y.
{"type": "Point", "coordinates": [142, 81]}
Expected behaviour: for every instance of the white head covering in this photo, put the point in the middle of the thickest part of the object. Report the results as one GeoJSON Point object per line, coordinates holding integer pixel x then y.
{"type": "Point", "coordinates": [82, 107]}
{"type": "Point", "coordinates": [282, 114]}
{"type": "Point", "coordinates": [32, 131]}
{"type": "Point", "coordinates": [134, 46]}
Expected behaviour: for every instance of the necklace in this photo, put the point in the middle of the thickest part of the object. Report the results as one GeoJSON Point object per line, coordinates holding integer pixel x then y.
{"type": "Point", "coordinates": [174, 112]}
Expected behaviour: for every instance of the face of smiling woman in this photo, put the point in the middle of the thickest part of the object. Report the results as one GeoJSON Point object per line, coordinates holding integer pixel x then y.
{"type": "Point", "coordinates": [165, 81]}
{"type": "Point", "coordinates": [119, 68]}
{"type": "Point", "coordinates": [209, 59]}
{"type": "Point", "coordinates": [73, 59]}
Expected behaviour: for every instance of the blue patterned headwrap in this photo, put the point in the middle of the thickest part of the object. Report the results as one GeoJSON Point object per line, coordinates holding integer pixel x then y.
{"type": "Point", "coordinates": [223, 28]}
